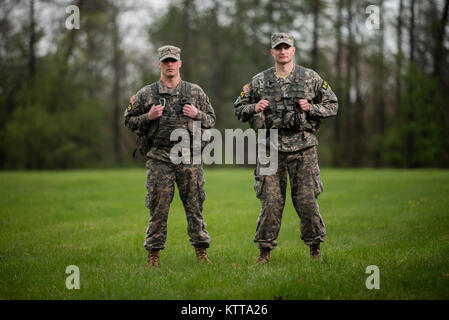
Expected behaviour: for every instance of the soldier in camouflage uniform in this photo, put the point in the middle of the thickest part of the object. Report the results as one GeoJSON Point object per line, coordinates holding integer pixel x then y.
{"type": "Point", "coordinates": [291, 99]}
{"type": "Point", "coordinates": [153, 113]}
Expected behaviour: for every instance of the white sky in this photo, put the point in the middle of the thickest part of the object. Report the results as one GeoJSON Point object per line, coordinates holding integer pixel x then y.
{"type": "Point", "coordinates": [141, 13]}
{"type": "Point", "coordinates": [133, 21]}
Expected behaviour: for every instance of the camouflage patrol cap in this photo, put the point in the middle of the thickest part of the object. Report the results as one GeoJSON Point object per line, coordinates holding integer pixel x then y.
{"type": "Point", "coordinates": [169, 52]}
{"type": "Point", "coordinates": [278, 38]}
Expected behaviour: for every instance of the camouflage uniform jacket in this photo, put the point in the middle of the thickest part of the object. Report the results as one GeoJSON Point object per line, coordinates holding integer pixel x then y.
{"type": "Point", "coordinates": [322, 100]}
{"type": "Point", "coordinates": [136, 114]}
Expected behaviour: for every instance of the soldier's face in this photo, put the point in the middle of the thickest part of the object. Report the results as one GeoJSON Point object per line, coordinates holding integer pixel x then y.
{"type": "Point", "coordinates": [170, 67]}
{"type": "Point", "coordinates": [283, 53]}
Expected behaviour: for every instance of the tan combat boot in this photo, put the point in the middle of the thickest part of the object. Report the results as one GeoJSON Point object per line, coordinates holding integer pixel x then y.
{"type": "Point", "coordinates": [315, 252]}
{"type": "Point", "coordinates": [153, 258]}
{"type": "Point", "coordinates": [201, 254]}
{"type": "Point", "coordinates": [264, 256]}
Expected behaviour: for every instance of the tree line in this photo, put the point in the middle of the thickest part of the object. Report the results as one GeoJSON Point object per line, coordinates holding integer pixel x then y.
{"type": "Point", "coordinates": [62, 106]}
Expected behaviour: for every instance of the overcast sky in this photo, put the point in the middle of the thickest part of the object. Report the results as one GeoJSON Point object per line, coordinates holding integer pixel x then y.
{"type": "Point", "coordinates": [134, 22]}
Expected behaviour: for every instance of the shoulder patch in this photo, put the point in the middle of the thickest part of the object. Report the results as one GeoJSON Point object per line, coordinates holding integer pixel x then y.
{"type": "Point", "coordinates": [245, 90]}
{"type": "Point", "coordinates": [133, 100]}
{"type": "Point", "coordinates": [324, 85]}
{"type": "Point", "coordinates": [129, 107]}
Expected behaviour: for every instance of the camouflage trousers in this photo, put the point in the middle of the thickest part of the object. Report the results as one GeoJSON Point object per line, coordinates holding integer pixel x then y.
{"type": "Point", "coordinates": [161, 179]}
{"type": "Point", "coordinates": [302, 167]}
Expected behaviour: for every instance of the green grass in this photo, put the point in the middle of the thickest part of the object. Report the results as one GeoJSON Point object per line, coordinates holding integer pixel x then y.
{"type": "Point", "coordinates": [395, 219]}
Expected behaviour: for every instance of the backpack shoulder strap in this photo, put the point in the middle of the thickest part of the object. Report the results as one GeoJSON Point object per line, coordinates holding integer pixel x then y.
{"type": "Point", "coordinates": [142, 140]}
{"type": "Point", "coordinates": [155, 90]}
{"type": "Point", "coordinates": [298, 73]}
{"type": "Point", "coordinates": [186, 89]}
{"type": "Point", "coordinates": [269, 77]}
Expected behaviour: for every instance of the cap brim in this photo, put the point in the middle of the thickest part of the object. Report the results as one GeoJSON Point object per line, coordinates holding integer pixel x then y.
{"type": "Point", "coordinates": [169, 56]}
{"type": "Point", "coordinates": [279, 42]}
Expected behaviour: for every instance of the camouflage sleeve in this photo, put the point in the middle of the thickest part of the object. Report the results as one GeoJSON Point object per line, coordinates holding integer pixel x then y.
{"type": "Point", "coordinates": [206, 113]}
{"type": "Point", "coordinates": [246, 102]}
{"type": "Point", "coordinates": [136, 117]}
{"type": "Point", "coordinates": [325, 103]}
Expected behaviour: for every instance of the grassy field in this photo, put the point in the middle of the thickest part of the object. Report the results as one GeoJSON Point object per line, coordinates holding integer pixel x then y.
{"type": "Point", "coordinates": [396, 220]}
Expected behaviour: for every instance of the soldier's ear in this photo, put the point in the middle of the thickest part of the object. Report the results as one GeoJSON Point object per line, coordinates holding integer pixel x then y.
{"type": "Point", "coordinates": [159, 64]}
{"type": "Point", "coordinates": [180, 63]}
{"type": "Point", "coordinates": [272, 52]}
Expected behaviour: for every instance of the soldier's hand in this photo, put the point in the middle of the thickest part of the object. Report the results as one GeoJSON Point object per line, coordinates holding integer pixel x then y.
{"type": "Point", "coordinates": [155, 112]}
{"type": "Point", "coordinates": [304, 104]}
{"type": "Point", "coordinates": [190, 111]}
{"type": "Point", "coordinates": [261, 105]}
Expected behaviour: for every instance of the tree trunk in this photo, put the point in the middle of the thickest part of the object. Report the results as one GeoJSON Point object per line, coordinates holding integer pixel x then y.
{"type": "Point", "coordinates": [337, 161]}
{"type": "Point", "coordinates": [316, 19]}
{"type": "Point", "coordinates": [71, 38]}
{"type": "Point", "coordinates": [358, 114]}
{"type": "Point", "coordinates": [442, 79]}
{"type": "Point", "coordinates": [349, 58]}
{"type": "Point", "coordinates": [440, 32]}
{"type": "Point", "coordinates": [412, 31]}
{"type": "Point", "coordinates": [270, 14]}
{"type": "Point", "coordinates": [116, 84]}
{"type": "Point", "coordinates": [219, 67]}
{"type": "Point", "coordinates": [399, 59]}
{"type": "Point", "coordinates": [187, 52]}
{"type": "Point", "coordinates": [380, 92]}
{"type": "Point", "coordinates": [409, 138]}
{"type": "Point", "coordinates": [32, 43]}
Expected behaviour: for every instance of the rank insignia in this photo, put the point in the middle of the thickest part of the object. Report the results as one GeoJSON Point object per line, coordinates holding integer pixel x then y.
{"type": "Point", "coordinates": [207, 99]}
{"type": "Point", "coordinates": [133, 99]}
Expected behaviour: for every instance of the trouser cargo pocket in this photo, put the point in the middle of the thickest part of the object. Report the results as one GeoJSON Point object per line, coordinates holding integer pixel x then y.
{"type": "Point", "coordinates": [258, 183]}
{"type": "Point", "coordinates": [317, 182]}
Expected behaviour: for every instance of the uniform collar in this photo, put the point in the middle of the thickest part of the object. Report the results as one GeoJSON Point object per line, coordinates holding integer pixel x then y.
{"type": "Point", "coordinates": [163, 89]}
{"type": "Point", "coordinates": [287, 79]}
